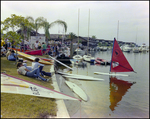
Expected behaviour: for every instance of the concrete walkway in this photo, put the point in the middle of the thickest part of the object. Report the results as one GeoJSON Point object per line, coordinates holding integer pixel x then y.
{"type": "Point", "coordinates": [61, 107]}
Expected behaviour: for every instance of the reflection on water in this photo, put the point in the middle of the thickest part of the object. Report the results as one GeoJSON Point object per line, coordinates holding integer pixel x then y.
{"type": "Point", "coordinates": [113, 97]}
{"type": "Point", "coordinates": [118, 89]}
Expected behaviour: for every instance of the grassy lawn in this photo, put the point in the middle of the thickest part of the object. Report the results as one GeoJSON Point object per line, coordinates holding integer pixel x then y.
{"type": "Point", "coordinates": [25, 106]}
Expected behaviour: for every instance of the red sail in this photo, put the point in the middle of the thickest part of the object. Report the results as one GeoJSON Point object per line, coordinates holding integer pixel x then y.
{"type": "Point", "coordinates": [118, 62]}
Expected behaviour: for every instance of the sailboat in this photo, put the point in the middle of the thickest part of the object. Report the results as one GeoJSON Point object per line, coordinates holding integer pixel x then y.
{"type": "Point", "coordinates": [136, 49]}
{"type": "Point", "coordinates": [77, 58]}
{"type": "Point", "coordinates": [118, 63]}
{"type": "Point", "coordinates": [88, 57]}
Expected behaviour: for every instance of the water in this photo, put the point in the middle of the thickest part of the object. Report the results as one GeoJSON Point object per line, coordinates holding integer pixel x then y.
{"type": "Point", "coordinates": [110, 98]}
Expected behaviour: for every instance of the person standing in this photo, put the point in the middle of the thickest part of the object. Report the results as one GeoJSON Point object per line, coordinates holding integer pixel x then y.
{"type": "Point", "coordinates": [22, 46]}
{"type": "Point", "coordinates": [36, 45]}
{"type": "Point", "coordinates": [2, 43]}
{"type": "Point", "coordinates": [44, 48]}
{"type": "Point", "coordinates": [39, 45]}
{"type": "Point", "coordinates": [13, 43]}
{"type": "Point", "coordinates": [57, 49]}
{"type": "Point", "coordinates": [54, 50]}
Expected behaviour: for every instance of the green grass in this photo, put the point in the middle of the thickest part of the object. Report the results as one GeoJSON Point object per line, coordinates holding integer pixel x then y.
{"type": "Point", "coordinates": [25, 106]}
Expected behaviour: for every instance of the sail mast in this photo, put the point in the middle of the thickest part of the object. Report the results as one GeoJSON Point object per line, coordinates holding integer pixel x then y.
{"type": "Point", "coordinates": [111, 56]}
{"type": "Point", "coordinates": [88, 30]}
{"type": "Point", "coordinates": [78, 26]}
{"type": "Point", "coordinates": [136, 36]}
{"type": "Point", "coordinates": [118, 30]}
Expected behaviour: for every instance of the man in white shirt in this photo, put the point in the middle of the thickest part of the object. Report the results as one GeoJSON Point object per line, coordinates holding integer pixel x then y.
{"type": "Point", "coordinates": [36, 65]}
{"type": "Point", "coordinates": [21, 69]}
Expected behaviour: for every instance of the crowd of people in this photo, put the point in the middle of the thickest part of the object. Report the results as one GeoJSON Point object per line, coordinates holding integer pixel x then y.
{"type": "Point", "coordinates": [36, 70]}
{"type": "Point", "coordinates": [25, 45]}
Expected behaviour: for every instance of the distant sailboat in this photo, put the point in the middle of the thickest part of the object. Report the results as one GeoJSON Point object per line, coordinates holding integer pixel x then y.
{"type": "Point", "coordinates": [118, 63]}
{"type": "Point", "coordinates": [77, 58]}
{"type": "Point", "coordinates": [136, 49]}
{"type": "Point", "coordinates": [88, 57]}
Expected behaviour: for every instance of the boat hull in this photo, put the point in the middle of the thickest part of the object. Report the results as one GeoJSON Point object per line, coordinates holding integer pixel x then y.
{"type": "Point", "coordinates": [64, 59]}
{"type": "Point", "coordinates": [88, 58]}
{"type": "Point", "coordinates": [102, 61]}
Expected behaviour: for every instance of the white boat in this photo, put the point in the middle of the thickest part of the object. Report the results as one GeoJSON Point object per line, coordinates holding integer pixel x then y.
{"type": "Point", "coordinates": [77, 58]}
{"type": "Point", "coordinates": [126, 48]}
{"type": "Point", "coordinates": [143, 48]}
{"type": "Point", "coordinates": [136, 50]}
{"type": "Point", "coordinates": [148, 49]}
{"type": "Point", "coordinates": [103, 48]}
{"type": "Point", "coordinates": [79, 51]}
{"type": "Point", "coordinates": [96, 48]}
{"type": "Point", "coordinates": [78, 62]}
{"type": "Point", "coordinates": [118, 62]}
{"type": "Point", "coordinates": [88, 57]}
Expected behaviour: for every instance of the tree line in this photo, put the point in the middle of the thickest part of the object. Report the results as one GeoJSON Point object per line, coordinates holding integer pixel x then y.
{"type": "Point", "coordinates": [26, 24]}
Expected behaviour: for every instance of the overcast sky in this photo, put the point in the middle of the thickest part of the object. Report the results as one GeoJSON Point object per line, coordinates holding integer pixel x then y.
{"type": "Point", "coordinates": [133, 17]}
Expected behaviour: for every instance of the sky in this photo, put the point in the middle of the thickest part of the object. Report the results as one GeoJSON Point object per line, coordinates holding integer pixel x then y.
{"type": "Point", "coordinates": [128, 21]}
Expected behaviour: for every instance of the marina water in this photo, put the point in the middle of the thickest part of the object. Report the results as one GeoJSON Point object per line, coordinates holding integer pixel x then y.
{"type": "Point", "coordinates": [107, 98]}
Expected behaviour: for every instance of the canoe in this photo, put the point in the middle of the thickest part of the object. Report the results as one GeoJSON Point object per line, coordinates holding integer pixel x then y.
{"type": "Point", "coordinates": [16, 49]}
{"type": "Point", "coordinates": [36, 52]}
{"type": "Point", "coordinates": [30, 57]}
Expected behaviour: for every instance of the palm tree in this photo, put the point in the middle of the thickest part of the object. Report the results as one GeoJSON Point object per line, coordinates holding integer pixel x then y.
{"type": "Point", "coordinates": [46, 25]}
{"type": "Point", "coordinates": [71, 37]}
{"type": "Point", "coordinates": [26, 28]}
{"type": "Point", "coordinates": [37, 23]}
{"type": "Point", "coordinates": [94, 37]}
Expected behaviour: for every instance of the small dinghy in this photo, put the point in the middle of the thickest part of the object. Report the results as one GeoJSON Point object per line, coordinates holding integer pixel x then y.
{"type": "Point", "coordinates": [102, 61]}
{"type": "Point", "coordinates": [63, 58]}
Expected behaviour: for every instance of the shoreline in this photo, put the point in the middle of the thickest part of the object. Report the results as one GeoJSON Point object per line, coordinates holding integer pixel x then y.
{"type": "Point", "coordinates": [61, 107]}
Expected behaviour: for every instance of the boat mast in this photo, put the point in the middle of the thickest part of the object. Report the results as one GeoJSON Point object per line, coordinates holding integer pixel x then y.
{"type": "Point", "coordinates": [78, 26]}
{"type": "Point", "coordinates": [78, 29]}
{"type": "Point", "coordinates": [136, 36]}
{"type": "Point", "coordinates": [88, 30]}
{"type": "Point", "coordinates": [117, 30]}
